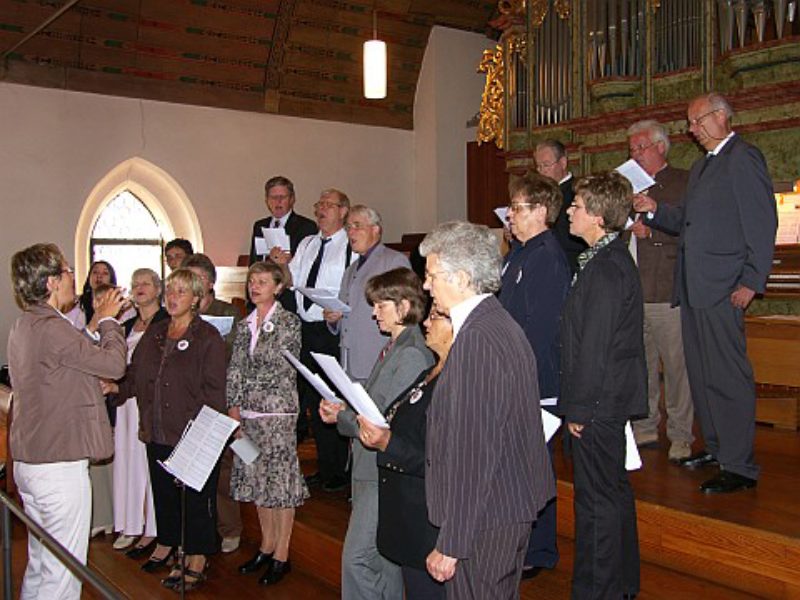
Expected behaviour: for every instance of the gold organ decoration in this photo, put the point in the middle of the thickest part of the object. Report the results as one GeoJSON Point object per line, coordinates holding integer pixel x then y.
{"type": "Point", "coordinates": [562, 8]}
{"type": "Point", "coordinates": [492, 114]}
{"type": "Point", "coordinates": [512, 7]}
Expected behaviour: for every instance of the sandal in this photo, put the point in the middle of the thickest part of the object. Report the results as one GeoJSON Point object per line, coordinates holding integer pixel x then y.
{"type": "Point", "coordinates": [173, 580]}
{"type": "Point", "coordinates": [197, 579]}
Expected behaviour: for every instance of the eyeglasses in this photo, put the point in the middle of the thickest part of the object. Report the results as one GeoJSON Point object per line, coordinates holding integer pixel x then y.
{"type": "Point", "coordinates": [68, 270]}
{"type": "Point", "coordinates": [278, 197]}
{"type": "Point", "coordinates": [357, 226]}
{"type": "Point", "coordinates": [545, 165]}
{"type": "Point", "coordinates": [633, 150]}
{"type": "Point", "coordinates": [324, 204]}
{"type": "Point", "coordinates": [699, 120]}
{"type": "Point", "coordinates": [517, 206]}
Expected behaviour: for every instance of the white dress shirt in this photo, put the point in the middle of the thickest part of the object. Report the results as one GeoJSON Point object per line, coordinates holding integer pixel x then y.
{"type": "Point", "coordinates": [462, 310]}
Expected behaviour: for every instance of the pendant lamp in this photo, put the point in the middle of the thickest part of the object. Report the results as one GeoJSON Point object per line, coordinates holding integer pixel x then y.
{"type": "Point", "coordinates": [374, 64]}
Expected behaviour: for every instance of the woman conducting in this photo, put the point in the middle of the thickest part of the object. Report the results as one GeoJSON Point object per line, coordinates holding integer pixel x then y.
{"type": "Point", "coordinates": [60, 420]}
{"type": "Point", "coordinates": [262, 396]}
{"type": "Point", "coordinates": [177, 368]}
{"type": "Point", "coordinates": [603, 384]}
{"type": "Point", "coordinates": [134, 512]}
{"type": "Point", "coordinates": [398, 303]}
{"type": "Point", "coordinates": [405, 535]}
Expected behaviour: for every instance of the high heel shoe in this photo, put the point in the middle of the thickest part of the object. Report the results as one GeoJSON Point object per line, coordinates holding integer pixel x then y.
{"type": "Point", "coordinates": [255, 563]}
{"type": "Point", "coordinates": [275, 572]}
{"type": "Point", "coordinates": [139, 551]}
{"type": "Point", "coordinates": [192, 579]}
{"type": "Point", "coordinates": [151, 565]}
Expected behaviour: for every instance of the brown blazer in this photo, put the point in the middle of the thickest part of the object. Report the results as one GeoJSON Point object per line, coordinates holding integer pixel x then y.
{"type": "Point", "coordinates": [487, 464]}
{"type": "Point", "coordinates": [59, 413]}
{"type": "Point", "coordinates": [190, 377]}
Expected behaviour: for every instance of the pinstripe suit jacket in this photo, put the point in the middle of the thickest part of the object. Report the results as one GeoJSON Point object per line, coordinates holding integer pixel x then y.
{"type": "Point", "coordinates": [486, 464]}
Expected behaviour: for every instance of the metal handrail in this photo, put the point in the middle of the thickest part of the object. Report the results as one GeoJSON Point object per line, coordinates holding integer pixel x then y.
{"type": "Point", "coordinates": [62, 554]}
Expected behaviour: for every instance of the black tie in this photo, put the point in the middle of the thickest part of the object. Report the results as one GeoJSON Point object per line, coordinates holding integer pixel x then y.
{"type": "Point", "coordinates": [706, 162]}
{"type": "Point", "coordinates": [276, 223]}
{"type": "Point", "coordinates": [312, 274]}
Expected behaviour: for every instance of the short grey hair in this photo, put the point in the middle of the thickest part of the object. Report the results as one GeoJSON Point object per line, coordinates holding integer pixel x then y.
{"type": "Point", "coordinates": [343, 199]}
{"type": "Point", "coordinates": [372, 215]}
{"type": "Point", "coordinates": [718, 102]}
{"type": "Point", "coordinates": [144, 271]}
{"type": "Point", "coordinates": [658, 133]}
{"type": "Point", "coordinates": [463, 246]}
{"type": "Point", "coordinates": [559, 150]}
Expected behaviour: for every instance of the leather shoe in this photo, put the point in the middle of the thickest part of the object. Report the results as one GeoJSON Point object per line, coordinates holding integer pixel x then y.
{"type": "Point", "coordinates": [727, 482]}
{"type": "Point", "coordinates": [275, 572]}
{"type": "Point", "coordinates": [139, 551]}
{"type": "Point", "coordinates": [255, 563]}
{"type": "Point", "coordinates": [697, 460]}
{"type": "Point", "coordinates": [151, 565]}
{"type": "Point", "coordinates": [313, 479]}
{"type": "Point", "coordinates": [530, 572]}
{"type": "Point", "coordinates": [335, 484]}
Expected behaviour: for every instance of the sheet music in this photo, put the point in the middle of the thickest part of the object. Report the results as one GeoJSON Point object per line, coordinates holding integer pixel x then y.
{"type": "Point", "coordinates": [261, 246]}
{"type": "Point", "coordinates": [200, 447]}
{"type": "Point", "coordinates": [276, 236]}
{"type": "Point", "coordinates": [502, 214]}
{"type": "Point", "coordinates": [222, 324]}
{"type": "Point", "coordinates": [633, 172]}
{"type": "Point", "coordinates": [315, 380]}
{"type": "Point", "coordinates": [325, 298]}
{"type": "Point", "coordinates": [632, 459]}
{"type": "Point", "coordinates": [550, 424]}
{"type": "Point", "coordinates": [353, 392]}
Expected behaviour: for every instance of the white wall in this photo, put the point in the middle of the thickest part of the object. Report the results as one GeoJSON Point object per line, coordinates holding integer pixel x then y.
{"type": "Point", "coordinates": [56, 145]}
{"type": "Point", "coordinates": [448, 95]}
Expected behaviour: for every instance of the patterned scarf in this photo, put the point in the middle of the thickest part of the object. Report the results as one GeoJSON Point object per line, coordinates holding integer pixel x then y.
{"type": "Point", "coordinates": [588, 254]}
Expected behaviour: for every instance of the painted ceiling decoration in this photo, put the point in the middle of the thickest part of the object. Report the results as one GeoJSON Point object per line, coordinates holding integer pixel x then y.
{"type": "Point", "coordinates": [289, 57]}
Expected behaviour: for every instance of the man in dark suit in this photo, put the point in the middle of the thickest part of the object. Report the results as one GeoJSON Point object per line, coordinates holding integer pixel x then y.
{"type": "Point", "coordinates": [279, 197]}
{"type": "Point", "coordinates": [552, 161]}
{"type": "Point", "coordinates": [727, 231]}
{"type": "Point", "coordinates": [487, 470]}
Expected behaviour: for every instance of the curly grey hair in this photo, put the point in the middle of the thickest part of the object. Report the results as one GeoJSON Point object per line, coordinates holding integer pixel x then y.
{"type": "Point", "coordinates": [463, 246]}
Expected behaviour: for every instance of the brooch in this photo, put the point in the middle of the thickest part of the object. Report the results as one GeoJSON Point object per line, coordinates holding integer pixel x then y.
{"type": "Point", "coordinates": [415, 396]}
{"type": "Point", "coordinates": [268, 327]}
{"type": "Point", "coordinates": [183, 345]}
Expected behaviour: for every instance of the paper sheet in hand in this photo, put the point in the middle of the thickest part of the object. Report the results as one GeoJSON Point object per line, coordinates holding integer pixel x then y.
{"type": "Point", "coordinates": [550, 423]}
{"type": "Point", "coordinates": [261, 246]}
{"type": "Point", "coordinates": [353, 392]}
{"type": "Point", "coordinates": [194, 457]}
{"type": "Point", "coordinates": [325, 298]}
{"type": "Point", "coordinates": [276, 236]}
{"type": "Point", "coordinates": [315, 380]}
{"type": "Point", "coordinates": [502, 214]}
{"type": "Point", "coordinates": [633, 172]}
{"type": "Point", "coordinates": [245, 449]}
{"type": "Point", "coordinates": [222, 324]}
{"type": "Point", "coordinates": [632, 459]}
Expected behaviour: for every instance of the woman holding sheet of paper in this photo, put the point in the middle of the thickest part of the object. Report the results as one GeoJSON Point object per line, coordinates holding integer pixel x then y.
{"type": "Point", "coordinates": [177, 367]}
{"type": "Point", "coordinates": [603, 384]}
{"type": "Point", "coordinates": [398, 303]}
{"type": "Point", "coordinates": [262, 396]}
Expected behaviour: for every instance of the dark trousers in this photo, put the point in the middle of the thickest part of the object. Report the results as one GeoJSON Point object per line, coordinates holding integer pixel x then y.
{"type": "Point", "coordinates": [606, 542]}
{"type": "Point", "coordinates": [229, 515]}
{"type": "Point", "coordinates": [493, 570]}
{"type": "Point", "coordinates": [721, 381]}
{"type": "Point", "coordinates": [542, 547]}
{"type": "Point", "coordinates": [419, 585]}
{"type": "Point", "coordinates": [201, 507]}
{"type": "Point", "coordinates": [332, 448]}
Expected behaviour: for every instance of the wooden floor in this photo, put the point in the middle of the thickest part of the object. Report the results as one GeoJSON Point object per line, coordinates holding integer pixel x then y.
{"type": "Point", "coordinates": [772, 507]}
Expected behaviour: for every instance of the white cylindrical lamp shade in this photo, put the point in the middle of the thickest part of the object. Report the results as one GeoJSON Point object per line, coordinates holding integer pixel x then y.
{"type": "Point", "coordinates": [375, 69]}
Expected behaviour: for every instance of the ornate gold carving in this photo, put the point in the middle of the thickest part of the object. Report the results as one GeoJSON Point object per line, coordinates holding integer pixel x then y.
{"type": "Point", "coordinates": [517, 44]}
{"type": "Point", "coordinates": [492, 113]}
{"type": "Point", "coordinates": [538, 11]}
{"type": "Point", "coordinates": [563, 8]}
{"type": "Point", "coordinates": [512, 7]}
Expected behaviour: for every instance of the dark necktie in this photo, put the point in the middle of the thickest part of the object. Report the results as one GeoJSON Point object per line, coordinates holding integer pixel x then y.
{"type": "Point", "coordinates": [312, 274]}
{"type": "Point", "coordinates": [276, 223]}
{"type": "Point", "coordinates": [706, 162]}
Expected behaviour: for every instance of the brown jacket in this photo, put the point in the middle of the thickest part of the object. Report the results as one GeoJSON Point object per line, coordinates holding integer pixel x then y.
{"type": "Point", "coordinates": [193, 375]}
{"type": "Point", "coordinates": [59, 412]}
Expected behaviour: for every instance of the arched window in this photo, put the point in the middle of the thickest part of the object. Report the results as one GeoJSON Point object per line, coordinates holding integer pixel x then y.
{"type": "Point", "coordinates": [127, 235]}
{"type": "Point", "coordinates": [135, 202]}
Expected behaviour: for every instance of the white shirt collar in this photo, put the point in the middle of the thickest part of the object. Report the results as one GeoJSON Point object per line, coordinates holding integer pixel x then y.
{"type": "Point", "coordinates": [721, 145]}
{"type": "Point", "coordinates": [460, 312]}
{"type": "Point", "coordinates": [282, 220]}
{"type": "Point", "coordinates": [566, 177]}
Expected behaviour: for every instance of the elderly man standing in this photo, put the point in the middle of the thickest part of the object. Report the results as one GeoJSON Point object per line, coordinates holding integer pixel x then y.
{"type": "Point", "coordinates": [280, 198]}
{"type": "Point", "coordinates": [552, 161]}
{"type": "Point", "coordinates": [487, 469]}
{"type": "Point", "coordinates": [727, 228]}
{"type": "Point", "coordinates": [655, 253]}
{"type": "Point", "coordinates": [360, 340]}
{"type": "Point", "coordinates": [320, 262]}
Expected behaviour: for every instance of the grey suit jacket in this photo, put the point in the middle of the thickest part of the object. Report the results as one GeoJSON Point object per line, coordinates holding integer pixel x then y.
{"type": "Point", "coordinates": [727, 226]}
{"type": "Point", "coordinates": [398, 370]}
{"type": "Point", "coordinates": [487, 464]}
{"type": "Point", "coordinates": [360, 339]}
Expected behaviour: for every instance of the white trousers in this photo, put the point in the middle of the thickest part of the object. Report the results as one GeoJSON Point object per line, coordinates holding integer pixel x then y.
{"type": "Point", "coordinates": [57, 496]}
